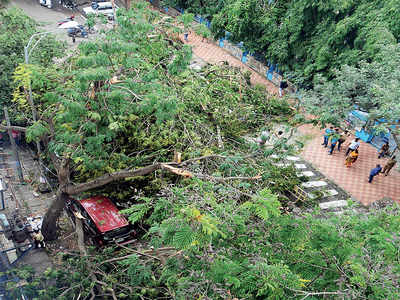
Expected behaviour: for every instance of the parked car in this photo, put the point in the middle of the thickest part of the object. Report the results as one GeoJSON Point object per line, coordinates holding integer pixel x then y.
{"type": "Point", "coordinates": [102, 222]}
{"type": "Point", "coordinates": [71, 4]}
{"type": "Point", "coordinates": [78, 31]}
{"type": "Point", "coordinates": [104, 8]}
{"type": "Point", "coordinates": [46, 3]}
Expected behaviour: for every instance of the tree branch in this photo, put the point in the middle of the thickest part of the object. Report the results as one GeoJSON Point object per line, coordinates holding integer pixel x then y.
{"type": "Point", "coordinates": [107, 178]}
{"type": "Point", "coordinates": [19, 128]}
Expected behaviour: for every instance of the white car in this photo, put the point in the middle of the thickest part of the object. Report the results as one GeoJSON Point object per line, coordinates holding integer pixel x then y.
{"type": "Point", "coordinates": [47, 3]}
{"type": "Point", "coordinates": [104, 8]}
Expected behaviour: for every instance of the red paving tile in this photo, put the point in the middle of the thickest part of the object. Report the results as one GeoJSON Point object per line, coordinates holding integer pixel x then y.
{"type": "Point", "coordinates": [354, 180]}
{"type": "Point", "coordinates": [213, 54]}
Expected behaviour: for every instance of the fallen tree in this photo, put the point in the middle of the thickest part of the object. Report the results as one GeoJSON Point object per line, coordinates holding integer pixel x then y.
{"type": "Point", "coordinates": [123, 104]}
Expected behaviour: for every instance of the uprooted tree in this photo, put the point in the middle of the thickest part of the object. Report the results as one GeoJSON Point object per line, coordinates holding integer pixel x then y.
{"type": "Point", "coordinates": [211, 227]}
{"type": "Point", "coordinates": [122, 106]}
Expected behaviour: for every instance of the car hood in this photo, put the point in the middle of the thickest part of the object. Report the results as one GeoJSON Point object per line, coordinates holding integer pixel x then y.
{"type": "Point", "coordinates": [104, 213]}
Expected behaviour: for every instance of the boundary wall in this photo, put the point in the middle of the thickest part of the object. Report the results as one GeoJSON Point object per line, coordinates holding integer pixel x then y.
{"type": "Point", "coordinates": [270, 71]}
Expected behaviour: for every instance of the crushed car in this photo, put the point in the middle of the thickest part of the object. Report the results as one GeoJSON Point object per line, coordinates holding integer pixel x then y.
{"type": "Point", "coordinates": [102, 221]}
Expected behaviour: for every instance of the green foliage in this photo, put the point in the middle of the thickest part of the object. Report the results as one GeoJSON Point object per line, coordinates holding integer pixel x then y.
{"type": "Point", "coordinates": [16, 29]}
{"type": "Point", "coordinates": [186, 19]}
{"type": "Point", "coordinates": [203, 31]}
{"type": "Point", "coordinates": [128, 94]}
{"type": "Point", "coordinates": [305, 38]}
{"type": "Point", "coordinates": [372, 87]}
{"type": "Point", "coordinates": [138, 273]}
{"type": "Point", "coordinates": [38, 129]}
{"type": "Point", "coordinates": [248, 253]}
{"type": "Point", "coordinates": [137, 211]}
{"type": "Point", "coordinates": [120, 105]}
{"type": "Point", "coordinates": [264, 205]}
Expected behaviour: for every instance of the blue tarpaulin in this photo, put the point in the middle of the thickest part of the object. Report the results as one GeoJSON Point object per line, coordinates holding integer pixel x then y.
{"type": "Point", "coordinates": [244, 56]}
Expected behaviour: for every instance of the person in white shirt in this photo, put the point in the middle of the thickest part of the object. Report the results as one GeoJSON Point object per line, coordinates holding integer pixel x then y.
{"type": "Point", "coordinates": [353, 146]}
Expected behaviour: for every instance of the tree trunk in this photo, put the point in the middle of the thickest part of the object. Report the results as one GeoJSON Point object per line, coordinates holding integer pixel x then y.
{"type": "Point", "coordinates": [107, 178]}
{"type": "Point", "coordinates": [81, 236]}
{"type": "Point", "coordinates": [128, 4]}
{"type": "Point", "coordinates": [49, 225]}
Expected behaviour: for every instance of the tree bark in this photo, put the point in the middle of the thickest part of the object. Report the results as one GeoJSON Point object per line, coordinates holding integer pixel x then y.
{"type": "Point", "coordinates": [49, 225]}
{"type": "Point", "coordinates": [18, 128]}
{"type": "Point", "coordinates": [81, 236]}
{"type": "Point", "coordinates": [102, 180]}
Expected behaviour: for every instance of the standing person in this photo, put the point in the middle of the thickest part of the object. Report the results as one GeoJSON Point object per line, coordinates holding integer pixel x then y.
{"type": "Point", "coordinates": [334, 140]}
{"type": "Point", "coordinates": [384, 150]}
{"type": "Point", "coordinates": [38, 239]}
{"type": "Point", "coordinates": [186, 36]}
{"type": "Point", "coordinates": [375, 171]}
{"type": "Point", "coordinates": [389, 165]}
{"type": "Point", "coordinates": [328, 132]}
{"type": "Point", "coordinates": [351, 158]}
{"type": "Point", "coordinates": [282, 85]}
{"type": "Point", "coordinates": [16, 136]}
{"type": "Point", "coordinates": [353, 146]}
{"type": "Point", "coordinates": [342, 139]}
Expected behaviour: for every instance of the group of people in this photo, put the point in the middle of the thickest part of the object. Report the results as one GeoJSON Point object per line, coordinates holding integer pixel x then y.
{"type": "Point", "coordinates": [333, 137]}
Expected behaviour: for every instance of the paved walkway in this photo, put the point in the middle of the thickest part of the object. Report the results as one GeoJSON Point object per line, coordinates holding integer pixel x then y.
{"type": "Point", "coordinates": [213, 54]}
{"type": "Point", "coordinates": [353, 180]}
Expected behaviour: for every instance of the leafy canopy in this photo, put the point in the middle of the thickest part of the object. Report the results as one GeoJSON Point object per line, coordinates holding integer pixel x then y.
{"type": "Point", "coordinates": [371, 87]}
{"type": "Point", "coordinates": [16, 29]}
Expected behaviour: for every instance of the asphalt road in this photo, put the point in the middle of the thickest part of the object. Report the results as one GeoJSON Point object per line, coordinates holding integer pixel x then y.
{"type": "Point", "coordinates": [48, 18]}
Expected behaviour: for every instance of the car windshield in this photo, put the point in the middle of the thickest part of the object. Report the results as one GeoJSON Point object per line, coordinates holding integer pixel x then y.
{"type": "Point", "coordinates": [105, 7]}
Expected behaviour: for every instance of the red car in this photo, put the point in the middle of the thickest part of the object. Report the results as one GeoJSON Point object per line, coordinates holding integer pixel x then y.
{"type": "Point", "coordinates": [102, 221]}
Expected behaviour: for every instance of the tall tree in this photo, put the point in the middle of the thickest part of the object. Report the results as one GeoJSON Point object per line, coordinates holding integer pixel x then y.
{"type": "Point", "coordinates": [305, 37]}
{"type": "Point", "coordinates": [16, 29]}
{"type": "Point", "coordinates": [371, 87]}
